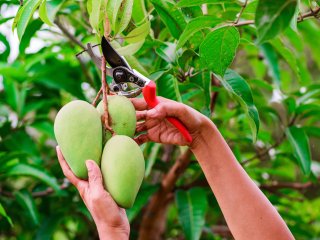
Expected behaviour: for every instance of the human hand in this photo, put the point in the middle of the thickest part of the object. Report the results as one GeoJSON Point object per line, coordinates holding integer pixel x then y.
{"type": "Point", "coordinates": [111, 220]}
{"type": "Point", "coordinates": [158, 129]}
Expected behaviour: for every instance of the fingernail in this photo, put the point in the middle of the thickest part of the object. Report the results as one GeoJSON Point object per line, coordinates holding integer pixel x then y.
{"type": "Point", "coordinates": [89, 164]}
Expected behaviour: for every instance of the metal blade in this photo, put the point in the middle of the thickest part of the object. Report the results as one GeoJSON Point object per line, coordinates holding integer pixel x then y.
{"type": "Point", "coordinates": [111, 55]}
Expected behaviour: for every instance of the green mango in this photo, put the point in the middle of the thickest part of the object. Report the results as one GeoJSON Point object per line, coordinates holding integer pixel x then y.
{"type": "Point", "coordinates": [123, 115]}
{"type": "Point", "coordinates": [122, 167]}
{"type": "Point", "coordinates": [78, 130]}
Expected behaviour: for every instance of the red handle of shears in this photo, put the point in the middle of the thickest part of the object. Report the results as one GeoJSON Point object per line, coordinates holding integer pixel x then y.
{"type": "Point", "coordinates": [149, 94]}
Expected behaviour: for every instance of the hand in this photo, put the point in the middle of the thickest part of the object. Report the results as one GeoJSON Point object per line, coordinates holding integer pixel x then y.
{"type": "Point", "coordinates": [158, 129]}
{"type": "Point", "coordinates": [111, 220]}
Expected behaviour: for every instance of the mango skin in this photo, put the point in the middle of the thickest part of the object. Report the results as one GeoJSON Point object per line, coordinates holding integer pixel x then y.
{"type": "Point", "coordinates": [123, 115]}
{"type": "Point", "coordinates": [123, 168]}
{"type": "Point", "coordinates": [78, 131]}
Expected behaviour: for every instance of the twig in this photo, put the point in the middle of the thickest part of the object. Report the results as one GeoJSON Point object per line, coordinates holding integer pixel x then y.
{"type": "Point", "coordinates": [21, 2]}
{"type": "Point", "coordinates": [214, 95]}
{"type": "Point", "coordinates": [68, 34]}
{"type": "Point", "coordinates": [105, 91]}
{"type": "Point", "coordinates": [96, 99]}
{"type": "Point", "coordinates": [241, 11]}
{"type": "Point", "coordinates": [313, 13]}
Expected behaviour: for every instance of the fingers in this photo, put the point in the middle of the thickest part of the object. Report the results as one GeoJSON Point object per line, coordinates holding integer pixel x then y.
{"type": "Point", "coordinates": [143, 138]}
{"type": "Point", "coordinates": [139, 104]}
{"type": "Point", "coordinates": [141, 115]}
{"type": "Point", "coordinates": [95, 177]}
{"type": "Point", "coordinates": [66, 169]}
{"type": "Point", "coordinates": [168, 109]}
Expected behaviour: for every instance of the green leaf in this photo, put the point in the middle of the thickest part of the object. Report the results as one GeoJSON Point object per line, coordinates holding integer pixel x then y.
{"type": "Point", "coordinates": [139, 33]}
{"type": "Point", "coordinates": [5, 54]}
{"type": "Point", "coordinates": [22, 169]}
{"type": "Point", "coordinates": [142, 198]}
{"type": "Point", "coordinates": [171, 16]}
{"type": "Point", "coordinates": [124, 18]}
{"type": "Point", "coordinates": [26, 14]}
{"type": "Point", "coordinates": [236, 85]}
{"type": "Point", "coordinates": [167, 86]}
{"type": "Point", "coordinates": [152, 158]}
{"type": "Point", "coordinates": [113, 7]}
{"type": "Point", "coordinates": [190, 3]}
{"type": "Point", "coordinates": [300, 145]}
{"type": "Point", "coordinates": [219, 48]}
{"type": "Point", "coordinates": [130, 49]}
{"type": "Point", "coordinates": [49, 9]}
{"type": "Point", "coordinates": [192, 207]}
{"type": "Point", "coordinates": [272, 17]}
{"type": "Point", "coordinates": [32, 28]}
{"type": "Point", "coordinates": [4, 214]}
{"type": "Point", "coordinates": [167, 52]}
{"type": "Point", "coordinates": [94, 14]}
{"type": "Point", "coordinates": [194, 26]}
{"type": "Point", "coordinates": [25, 199]}
{"type": "Point", "coordinates": [139, 12]}
{"type": "Point", "coordinates": [272, 60]}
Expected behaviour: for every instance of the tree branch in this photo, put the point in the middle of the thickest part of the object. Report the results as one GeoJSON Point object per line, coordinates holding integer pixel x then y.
{"type": "Point", "coordinates": [151, 226]}
{"type": "Point", "coordinates": [312, 13]}
{"type": "Point", "coordinates": [241, 11]}
{"type": "Point", "coordinates": [68, 34]}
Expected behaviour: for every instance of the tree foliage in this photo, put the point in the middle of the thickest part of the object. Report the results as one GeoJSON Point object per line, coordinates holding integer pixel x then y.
{"type": "Point", "coordinates": [252, 66]}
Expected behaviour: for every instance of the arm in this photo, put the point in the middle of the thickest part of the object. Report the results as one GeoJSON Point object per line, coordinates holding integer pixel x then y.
{"type": "Point", "coordinates": [247, 211]}
{"type": "Point", "coordinates": [111, 221]}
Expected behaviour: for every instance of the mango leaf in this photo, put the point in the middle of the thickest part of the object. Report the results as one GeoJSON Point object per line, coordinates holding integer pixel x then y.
{"type": "Point", "coordinates": [190, 3]}
{"type": "Point", "coordinates": [32, 28]}
{"type": "Point", "coordinates": [130, 49]}
{"type": "Point", "coordinates": [300, 145]}
{"type": "Point", "coordinates": [171, 16]}
{"type": "Point", "coordinates": [192, 207]}
{"type": "Point", "coordinates": [25, 15]}
{"type": "Point", "coordinates": [272, 17]}
{"type": "Point", "coordinates": [124, 18]}
{"type": "Point", "coordinates": [4, 214]}
{"type": "Point", "coordinates": [142, 198]}
{"type": "Point", "coordinates": [5, 54]}
{"type": "Point", "coordinates": [25, 199]}
{"type": "Point", "coordinates": [219, 48]}
{"type": "Point", "coordinates": [272, 60]}
{"type": "Point", "coordinates": [139, 33]}
{"type": "Point", "coordinates": [4, 20]}
{"type": "Point", "coordinates": [48, 226]}
{"type": "Point", "coordinates": [194, 26]}
{"type": "Point", "coordinates": [94, 14]}
{"type": "Point", "coordinates": [152, 158]}
{"type": "Point", "coordinates": [22, 169]}
{"type": "Point", "coordinates": [236, 85]}
{"type": "Point", "coordinates": [139, 12]}
{"type": "Point", "coordinates": [167, 52]}
{"type": "Point", "coordinates": [113, 7]}
{"type": "Point", "coordinates": [49, 9]}
{"type": "Point", "coordinates": [167, 86]}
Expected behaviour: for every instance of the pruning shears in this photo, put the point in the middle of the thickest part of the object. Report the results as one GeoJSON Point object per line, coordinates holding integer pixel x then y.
{"type": "Point", "coordinates": [129, 82]}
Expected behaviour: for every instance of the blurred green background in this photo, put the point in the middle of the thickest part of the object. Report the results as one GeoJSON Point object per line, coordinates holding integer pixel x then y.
{"type": "Point", "coordinates": [267, 107]}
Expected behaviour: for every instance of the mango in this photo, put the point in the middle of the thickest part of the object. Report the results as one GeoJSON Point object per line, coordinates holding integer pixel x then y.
{"type": "Point", "coordinates": [123, 115]}
{"type": "Point", "coordinates": [78, 131]}
{"type": "Point", "coordinates": [122, 167]}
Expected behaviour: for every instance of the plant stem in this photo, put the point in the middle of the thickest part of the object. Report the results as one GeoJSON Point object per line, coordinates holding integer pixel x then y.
{"type": "Point", "coordinates": [241, 11]}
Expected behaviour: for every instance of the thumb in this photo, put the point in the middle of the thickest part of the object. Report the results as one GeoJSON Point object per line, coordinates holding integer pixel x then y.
{"type": "Point", "coordinates": [94, 175]}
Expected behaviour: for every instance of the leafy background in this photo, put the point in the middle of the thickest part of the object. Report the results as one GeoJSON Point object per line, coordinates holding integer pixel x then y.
{"type": "Point", "coordinates": [251, 66]}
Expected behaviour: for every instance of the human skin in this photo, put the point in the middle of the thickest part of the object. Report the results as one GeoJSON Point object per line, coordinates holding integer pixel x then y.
{"type": "Point", "coordinates": [247, 211]}
{"type": "Point", "coordinates": [111, 220]}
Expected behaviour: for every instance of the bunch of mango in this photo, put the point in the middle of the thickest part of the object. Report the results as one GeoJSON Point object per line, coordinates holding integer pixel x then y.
{"type": "Point", "coordinates": [81, 136]}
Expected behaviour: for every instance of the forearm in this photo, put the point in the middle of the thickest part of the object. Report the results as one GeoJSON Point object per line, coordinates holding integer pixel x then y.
{"type": "Point", "coordinates": [247, 211]}
{"type": "Point", "coordinates": [106, 233]}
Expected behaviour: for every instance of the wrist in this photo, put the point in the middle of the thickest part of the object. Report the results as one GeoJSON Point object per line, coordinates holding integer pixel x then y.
{"type": "Point", "coordinates": [207, 129]}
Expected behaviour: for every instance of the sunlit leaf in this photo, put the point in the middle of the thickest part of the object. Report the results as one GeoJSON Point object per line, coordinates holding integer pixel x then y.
{"type": "Point", "coordinates": [236, 85]}
{"type": "Point", "coordinates": [167, 86]}
{"type": "Point", "coordinates": [5, 215]}
{"type": "Point", "coordinates": [49, 9]}
{"type": "Point", "coordinates": [124, 16]}
{"type": "Point", "coordinates": [139, 33]}
{"type": "Point", "coordinates": [219, 48]}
